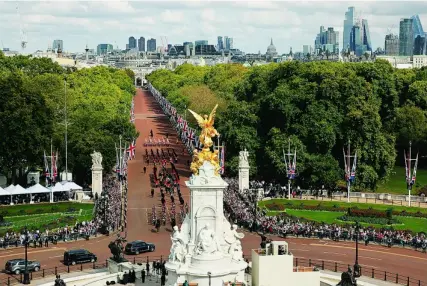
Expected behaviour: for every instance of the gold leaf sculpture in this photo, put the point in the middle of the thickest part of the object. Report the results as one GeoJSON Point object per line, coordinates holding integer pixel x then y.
{"type": "Point", "coordinates": [206, 135]}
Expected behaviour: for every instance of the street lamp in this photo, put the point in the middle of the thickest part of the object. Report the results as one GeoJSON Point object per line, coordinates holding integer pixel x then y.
{"type": "Point", "coordinates": [356, 267]}
{"type": "Point", "coordinates": [209, 274]}
{"type": "Point", "coordinates": [26, 274]}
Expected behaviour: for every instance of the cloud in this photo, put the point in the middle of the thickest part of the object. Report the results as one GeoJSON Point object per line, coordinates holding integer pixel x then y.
{"type": "Point", "coordinates": [169, 16]}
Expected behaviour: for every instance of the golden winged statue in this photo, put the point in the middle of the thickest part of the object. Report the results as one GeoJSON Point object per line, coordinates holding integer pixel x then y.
{"type": "Point", "coordinates": [206, 135]}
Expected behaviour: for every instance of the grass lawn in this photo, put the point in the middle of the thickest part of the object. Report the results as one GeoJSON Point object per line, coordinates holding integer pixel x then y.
{"type": "Point", "coordinates": [42, 216]}
{"type": "Point", "coordinates": [289, 203]}
{"type": "Point", "coordinates": [408, 223]}
{"type": "Point", "coordinates": [397, 185]}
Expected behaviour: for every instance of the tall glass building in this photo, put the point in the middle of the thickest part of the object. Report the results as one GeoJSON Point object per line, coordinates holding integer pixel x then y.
{"type": "Point", "coordinates": [58, 45]}
{"type": "Point", "coordinates": [348, 26]}
{"type": "Point", "coordinates": [420, 36]}
{"type": "Point", "coordinates": [103, 49]}
{"type": "Point", "coordinates": [406, 37]}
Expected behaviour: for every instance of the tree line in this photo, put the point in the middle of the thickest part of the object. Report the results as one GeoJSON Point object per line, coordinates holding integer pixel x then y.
{"type": "Point", "coordinates": [318, 106]}
{"type": "Point", "coordinates": [32, 115]}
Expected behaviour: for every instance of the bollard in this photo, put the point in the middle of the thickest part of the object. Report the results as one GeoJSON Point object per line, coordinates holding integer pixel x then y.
{"type": "Point", "coordinates": [147, 259]}
{"type": "Point", "coordinates": [385, 275]}
{"type": "Point", "coordinates": [134, 260]}
{"type": "Point", "coordinates": [419, 282]}
{"type": "Point", "coordinates": [309, 262]}
{"type": "Point", "coordinates": [81, 267]}
{"type": "Point", "coordinates": [397, 278]}
{"type": "Point", "coordinates": [336, 267]}
{"type": "Point", "coordinates": [373, 273]}
{"type": "Point", "coordinates": [43, 273]}
{"type": "Point", "coordinates": [323, 265]}
{"type": "Point", "coordinates": [296, 262]}
{"type": "Point", "coordinates": [106, 263]}
{"type": "Point", "coordinates": [68, 268]}
{"type": "Point", "coordinates": [8, 281]}
{"type": "Point", "coordinates": [93, 265]}
{"type": "Point", "coordinates": [56, 270]}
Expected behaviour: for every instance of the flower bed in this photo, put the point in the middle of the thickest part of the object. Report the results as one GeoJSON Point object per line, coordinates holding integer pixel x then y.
{"type": "Point", "coordinates": [372, 220]}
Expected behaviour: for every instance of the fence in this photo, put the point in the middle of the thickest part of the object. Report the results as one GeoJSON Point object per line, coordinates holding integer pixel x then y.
{"type": "Point", "coordinates": [298, 262]}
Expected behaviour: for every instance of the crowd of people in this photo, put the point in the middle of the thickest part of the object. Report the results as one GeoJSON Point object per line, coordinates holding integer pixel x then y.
{"type": "Point", "coordinates": [42, 238]}
{"type": "Point", "coordinates": [241, 208]}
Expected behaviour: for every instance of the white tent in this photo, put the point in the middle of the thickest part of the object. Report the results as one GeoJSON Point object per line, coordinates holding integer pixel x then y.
{"type": "Point", "coordinates": [37, 189]}
{"type": "Point", "coordinates": [18, 190]}
{"type": "Point", "coordinates": [3, 192]}
{"type": "Point", "coordinates": [58, 188]}
{"type": "Point", "coordinates": [10, 188]}
{"type": "Point", "coordinates": [71, 186]}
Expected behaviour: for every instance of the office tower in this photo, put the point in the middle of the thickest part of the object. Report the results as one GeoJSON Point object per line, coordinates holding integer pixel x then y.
{"type": "Point", "coordinates": [103, 49]}
{"type": "Point", "coordinates": [151, 45]}
{"type": "Point", "coordinates": [58, 45]}
{"type": "Point", "coordinates": [366, 35]}
{"type": "Point", "coordinates": [132, 43]}
{"type": "Point", "coordinates": [220, 44]}
{"type": "Point", "coordinates": [327, 40]}
{"type": "Point", "coordinates": [141, 44]}
{"type": "Point", "coordinates": [420, 37]}
{"type": "Point", "coordinates": [420, 45]}
{"type": "Point", "coordinates": [406, 37]}
{"type": "Point", "coordinates": [190, 44]}
{"type": "Point", "coordinates": [200, 43]}
{"type": "Point", "coordinates": [229, 43]}
{"type": "Point", "coordinates": [391, 45]}
{"type": "Point", "coordinates": [306, 49]}
{"type": "Point", "coordinates": [348, 26]}
{"type": "Point", "coordinates": [225, 42]}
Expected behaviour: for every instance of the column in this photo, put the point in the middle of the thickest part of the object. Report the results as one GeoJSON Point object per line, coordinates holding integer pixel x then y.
{"type": "Point", "coordinates": [243, 170]}
{"type": "Point", "coordinates": [96, 173]}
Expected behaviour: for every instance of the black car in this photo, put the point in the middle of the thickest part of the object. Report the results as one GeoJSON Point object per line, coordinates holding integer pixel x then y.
{"type": "Point", "coordinates": [139, 246]}
{"type": "Point", "coordinates": [72, 257]}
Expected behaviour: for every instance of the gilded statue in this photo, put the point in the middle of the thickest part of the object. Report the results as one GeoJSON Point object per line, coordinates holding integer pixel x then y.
{"type": "Point", "coordinates": [206, 135]}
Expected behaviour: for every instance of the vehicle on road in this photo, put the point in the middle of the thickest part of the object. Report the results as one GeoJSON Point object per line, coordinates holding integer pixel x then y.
{"type": "Point", "coordinates": [72, 257]}
{"type": "Point", "coordinates": [139, 246]}
{"type": "Point", "coordinates": [17, 266]}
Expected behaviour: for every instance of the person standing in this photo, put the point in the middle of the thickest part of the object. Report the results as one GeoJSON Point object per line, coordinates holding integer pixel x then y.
{"type": "Point", "coordinates": [151, 133]}
{"type": "Point", "coordinates": [143, 275]}
{"type": "Point", "coordinates": [163, 280]}
{"type": "Point", "coordinates": [147, 267]}
{"type": "Point", "coordinates": [145, 170]}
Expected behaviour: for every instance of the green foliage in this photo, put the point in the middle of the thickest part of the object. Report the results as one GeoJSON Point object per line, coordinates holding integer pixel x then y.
{"type": "Point", "coordinates": [32, 101]}
{"type": "Point", "coordinates": [319, 106]}
{"type": "Point", "coordinates": [369, 220]}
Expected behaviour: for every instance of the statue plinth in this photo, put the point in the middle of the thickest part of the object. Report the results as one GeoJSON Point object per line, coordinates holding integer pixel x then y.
{"type": "Point", "coordinates": [243, 170]}
{"type": "Point", "coordinates": [206, 241]}
{"type": "Point", "coordinates": [96, 173]}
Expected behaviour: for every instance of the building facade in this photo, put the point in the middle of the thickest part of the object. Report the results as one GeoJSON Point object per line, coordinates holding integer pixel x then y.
{"type": "Point", "coordinates": [141, 44]}
{"type": "Point", "coordinates": [360, 39]}
{"type": "Point", "coordinates": [229, 43]}
{"type": "Point", "coordinates": [132, 43]}
{"type": "Point", "coordinates": [201, 42]}
{"type": "Point", "coordinates": [327, 40]}
{"type": "Point", "coordinates": [349, 22]}
{"type": "Point", "coordinates": [406, 37]}
{"type": "Point", "coordinates": [391, 45]}
{"type": "Point", "coordinates": [103, 49]}
{"type": "Point", "coordinates": [151, 45]}
{"type": "Point", "coordinates": [58, 45]}
{"type": "Point", "coordinates": [220, 43]}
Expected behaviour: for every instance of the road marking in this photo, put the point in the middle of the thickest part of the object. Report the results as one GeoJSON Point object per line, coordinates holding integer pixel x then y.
{"type": "Point", "coordinates": [295, 249]}
{"type": "Point", "coordinates": [335, 253]}
{"type": "Point", "coordinates": [44, 250]}
{"type": "Point", "coordinates": [370, 250]}
{"type": "Point", "coordinates": [56, 256]}
{"type": "Point", "coordinates": [370, 257]}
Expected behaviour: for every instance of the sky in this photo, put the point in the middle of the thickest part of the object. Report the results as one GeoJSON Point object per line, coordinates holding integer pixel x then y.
{"type": "Point", "coordinates": [251, 23]}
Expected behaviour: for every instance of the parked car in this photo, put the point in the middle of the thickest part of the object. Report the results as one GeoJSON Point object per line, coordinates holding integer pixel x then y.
{"type": "Point", "coordinates": [139, 246]}
{"type": "Point", "coordinates": [72, 257]}
{"type": "Point", "coordinates": [17, 266]}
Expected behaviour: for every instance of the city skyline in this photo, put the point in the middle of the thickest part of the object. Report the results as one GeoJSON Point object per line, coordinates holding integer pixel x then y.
{"type": "Point", "coordinates": [250, 24]}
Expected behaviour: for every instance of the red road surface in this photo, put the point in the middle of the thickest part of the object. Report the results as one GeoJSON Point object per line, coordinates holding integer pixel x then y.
{"type": "Point", "coordinates": [148, 117]}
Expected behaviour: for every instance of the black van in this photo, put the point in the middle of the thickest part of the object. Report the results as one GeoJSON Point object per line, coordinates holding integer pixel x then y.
{"type": "Point", "coordinates": [72, 257]}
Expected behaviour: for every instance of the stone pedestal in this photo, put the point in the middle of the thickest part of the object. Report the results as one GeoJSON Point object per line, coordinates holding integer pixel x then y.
{"type": "Point", "coordinates": [96, 173]}
{"type": "Point", "coordinates": [79, 195]}
{"type": "Point", "coordinates": [243, 170]}
{"type": "Point", "coordinates": [206, 251]}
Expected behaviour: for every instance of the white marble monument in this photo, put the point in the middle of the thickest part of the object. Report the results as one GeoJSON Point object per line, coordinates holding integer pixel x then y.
{"type": "Point", "coordinates": [243, 170]}
{"type": "Point", "coordinates": [207, 249]}
{"type": "Point", "coordinates": [96, 173]}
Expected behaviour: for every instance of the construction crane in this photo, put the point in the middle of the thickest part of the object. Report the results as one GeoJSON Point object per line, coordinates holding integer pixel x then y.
{"type": "Point", "coordinates": [390, 30]}
{"type": "Point", "coordinates": [164, 40]}
{"type": "Point", "coordinates": [21, 31]}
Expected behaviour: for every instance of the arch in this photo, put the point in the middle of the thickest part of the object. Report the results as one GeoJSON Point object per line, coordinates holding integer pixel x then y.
{"type": "Point", "coordinates": [205, 215]}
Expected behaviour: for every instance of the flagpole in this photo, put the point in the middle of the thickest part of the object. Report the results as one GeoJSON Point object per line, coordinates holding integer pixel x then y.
{"type": "Point", "coordinates": [410, 177]}
{"type": "Point", "coordinates": [66, 131]}
{"type": "Point", "coordinates": [348, 170]}
{"type": "Point", "coordinates": [51, 160]}
{"type": "Point", "coordinates": [289, 160]}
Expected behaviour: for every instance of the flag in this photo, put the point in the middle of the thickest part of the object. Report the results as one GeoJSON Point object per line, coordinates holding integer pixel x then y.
{"type": "Point", "coordinates": [131, 150]}
{"type": "Point", "coordinates": [47, 173]}
{"type": "Point", "coordinates": [117, 161]}
{"type": "Point", "coordinates": [293, 166]}
{"type": "Point", "coordinates": [414, 175]}
{"type": "Point", "coordinates": [406, 168]}
{"type": "Point", "coordinates": [346, 168]}
{"type": "Point", "coordinates": [54, 160]}
{"type": "Point", "coordinates": [353, 168]}
{"type": "Point", "coordinates": [222, 160]}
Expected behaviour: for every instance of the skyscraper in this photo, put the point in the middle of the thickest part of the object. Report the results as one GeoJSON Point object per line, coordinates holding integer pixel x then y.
{"type": "Point", "coordinates": [225, 42]}
{"type": "Point", "coordinates": [132, 43]}
{"type": "Point", "coordinates": [103, 49]}
{"type": "Point", "coordinates": [366, 35]}
{"type": "Point", "coordinates": [420, 37]}
{"type": "Point", "coordinates": [348, 26]}
{"type": "Point", "coordinates": [58, 45]}
{"type": "Point", "coordinates": [360, 38]}
{"type": "Point", "coordinates": [220, 44]}
{"type": "Point", "coordinates": [141, 44]}
{"type": "Point", "coordinates": [406, 37]}
{"type": "Point", "coordinates": [391, 45]}
{"type": "Point", "coordinates": [151, 45]}
{"type": "Point", "coordinates": [327, 40]}
{"type": "Point", "coordinates": [229, 43]}
{"type": "Point", "coordinates": [201, 42]}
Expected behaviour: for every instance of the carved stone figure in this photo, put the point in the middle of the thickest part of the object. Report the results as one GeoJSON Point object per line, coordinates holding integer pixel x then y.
{"type": "Point", "coordinates": [116, 248]}
{"type": "Point", "coordinates": [207, 242]}
{"type": "Point", "coordinates": [237, 251]}
{"type": "Point", "coordinates": [243, 157]}
{"type": "Point", "coordinates": [96, 158]}
{"type": "Point", "coordinates": [178, 251]}
{"type": "Point", "coordinates": [232, 237]}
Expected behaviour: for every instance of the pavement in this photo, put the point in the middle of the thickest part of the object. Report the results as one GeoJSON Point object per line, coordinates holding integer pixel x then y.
{"type": "Point", "coordinates": [149, 117]}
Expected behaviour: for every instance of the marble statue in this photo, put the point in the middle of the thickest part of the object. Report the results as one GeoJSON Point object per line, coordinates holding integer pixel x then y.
{"type": "Point", "coordinates": [96, 158]}
{"type": "Point", "coordinates": [178, 249]}
{"type": "Point", "coordinates": [237, 251]}
{"type": "Point", "coordinates": [243, 157]}
{"type": "Point", "coordinates": [232, 237]}
{"type": "Point", "coordinates": [207, 242]}
{"type": "Point", "coordinates": [208, 131]}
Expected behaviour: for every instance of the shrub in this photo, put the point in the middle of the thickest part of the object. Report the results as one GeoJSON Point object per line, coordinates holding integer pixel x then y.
{"type": "Point", "coordinates": [373, 220]}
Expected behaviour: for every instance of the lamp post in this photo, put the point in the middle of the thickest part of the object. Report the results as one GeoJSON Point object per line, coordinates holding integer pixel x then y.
{"type": "Point", "coordinates": [26, 274]}
{"type": "Point", "coordinates": [209, 274]}
{"type": "Point", "coordinates": [356, 267]}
